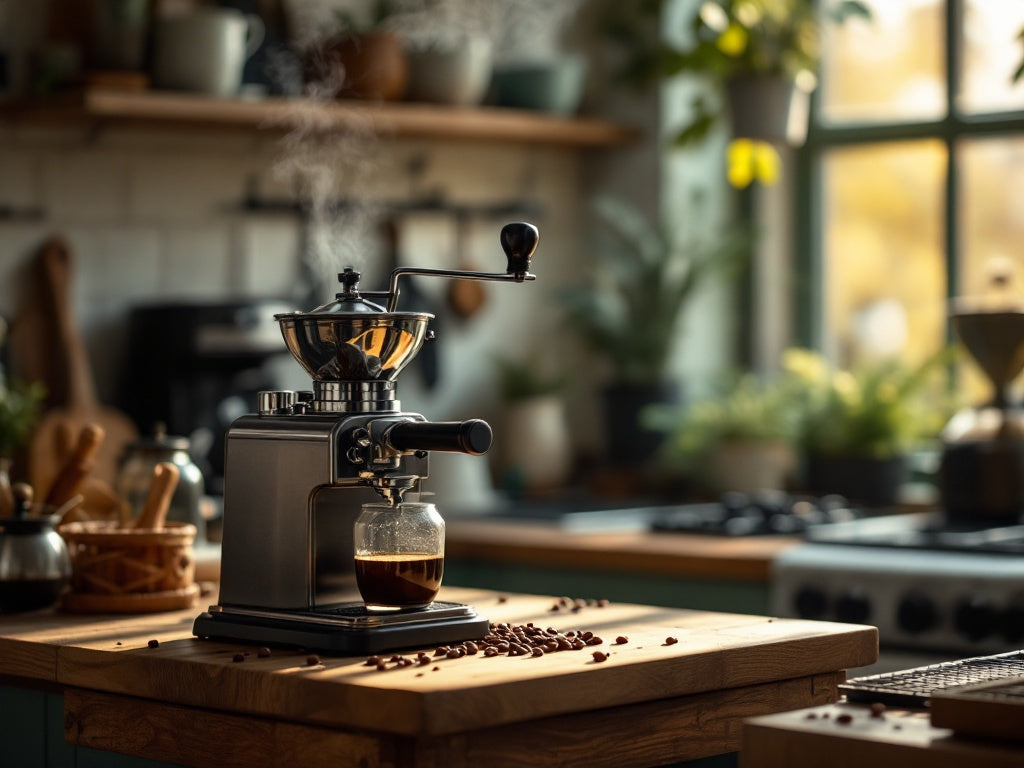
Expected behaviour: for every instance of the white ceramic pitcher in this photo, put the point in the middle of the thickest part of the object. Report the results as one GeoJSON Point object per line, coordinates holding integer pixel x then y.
{"type": "Point", "coordinates": [205, 50]}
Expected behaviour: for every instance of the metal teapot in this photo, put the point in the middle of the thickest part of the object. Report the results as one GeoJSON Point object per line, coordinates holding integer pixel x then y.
{"type": "Point", "coordinates": [34, 562]}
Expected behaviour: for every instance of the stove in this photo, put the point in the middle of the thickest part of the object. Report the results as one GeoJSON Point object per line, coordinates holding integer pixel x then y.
{"type": "Point", "coordinates": [932, 588]}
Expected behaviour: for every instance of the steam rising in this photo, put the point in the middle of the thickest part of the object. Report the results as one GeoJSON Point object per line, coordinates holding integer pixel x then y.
{"type": "Point", "coordinates": [322, 159]}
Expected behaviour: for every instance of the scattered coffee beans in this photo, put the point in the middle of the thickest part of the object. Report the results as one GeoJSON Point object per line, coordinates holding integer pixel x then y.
{"type": "Point", "coordinates": [503, 640]}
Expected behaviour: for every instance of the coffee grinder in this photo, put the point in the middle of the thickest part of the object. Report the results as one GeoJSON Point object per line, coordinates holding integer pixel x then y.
{"type": "Point", "coordinates": [309, 461]}
{"type": "Point", "coordinates": [982, 470]}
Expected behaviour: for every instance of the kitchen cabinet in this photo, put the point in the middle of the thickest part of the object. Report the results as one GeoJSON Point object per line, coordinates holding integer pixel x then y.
{"type": "Point", "coordinates": [100, 107]}
{"type": "Point", "coordinates": [181, 700]}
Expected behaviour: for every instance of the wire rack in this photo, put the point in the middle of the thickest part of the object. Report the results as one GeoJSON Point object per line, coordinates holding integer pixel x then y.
{"type": "Point", "coordinates": [914, 687]}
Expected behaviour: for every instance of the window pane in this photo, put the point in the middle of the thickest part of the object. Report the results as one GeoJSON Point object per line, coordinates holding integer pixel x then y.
{"type": "Point", "coordinates": [884, 264]}
{"type": "Point", "coordinates": [991, 55]}
{"type": "Point", "coordinates": [992, 219]}
{"type": "Point", "coordinates": [992, 224]}
{"type": "Point", "coordinates": [889, 68]}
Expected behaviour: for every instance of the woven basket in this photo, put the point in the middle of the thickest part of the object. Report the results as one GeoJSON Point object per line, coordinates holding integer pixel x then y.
{"type": "Point", "coordinates": [128, 570]}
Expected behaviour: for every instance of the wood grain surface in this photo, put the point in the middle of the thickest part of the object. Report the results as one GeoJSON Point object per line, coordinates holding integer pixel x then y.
{"type": "Point", "coordinates": [714, 652]}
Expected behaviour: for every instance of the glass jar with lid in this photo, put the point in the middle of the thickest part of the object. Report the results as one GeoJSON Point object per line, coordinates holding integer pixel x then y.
{"type": "Point", "coordinates": [399, 555]}
{"type": "Point", "coordinates": [136, 474]}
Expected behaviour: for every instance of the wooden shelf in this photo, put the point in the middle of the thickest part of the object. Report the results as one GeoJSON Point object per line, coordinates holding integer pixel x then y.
{"type": "Point", "coordinates": [102, 106]}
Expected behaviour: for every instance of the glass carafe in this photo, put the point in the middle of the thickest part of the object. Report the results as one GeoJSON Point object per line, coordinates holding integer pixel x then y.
{"type": "Point", "coordinates": [399, 555]}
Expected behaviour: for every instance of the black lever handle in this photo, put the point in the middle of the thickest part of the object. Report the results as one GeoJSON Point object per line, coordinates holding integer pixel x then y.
{"type": "Point", "coordinates": [519, 240]}
{"type": "Point", "coordinates": [472, 436]}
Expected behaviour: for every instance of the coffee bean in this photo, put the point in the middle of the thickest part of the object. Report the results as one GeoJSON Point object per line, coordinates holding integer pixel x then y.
{"type": "Point", "coordinates": [238, 657]}
{"type": "Point", "coordinates": [537, 652]}
{"type": "Point", "coordinates": [595, 640]}
{"type": "Point", "coordinates": [599, 656]}
{"type": "Point", "coordinates": [878, 709]}
{"type": "Point", "coordinates": [621, 640]}
{"type": "Point", "coordinates": [441, 650]}
{"type": "Point", "coordinates": [263, 653]}
{"type": "Point", "coordinates": [671, 640]}
{"type": "Point", "coordinates": [845, 719]}
{"type": "Point", "coordinates": [312, 660]}
{"type": "Point", "coordinates": [372, 661]}
{"type": "Point", "coordinates": [153, 643]}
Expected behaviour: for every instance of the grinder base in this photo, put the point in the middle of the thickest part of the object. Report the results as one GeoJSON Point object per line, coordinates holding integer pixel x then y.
{"type": "Point", "coordinates": [345, 628]}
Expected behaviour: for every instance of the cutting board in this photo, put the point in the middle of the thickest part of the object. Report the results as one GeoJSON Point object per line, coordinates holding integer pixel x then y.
{"type": "Point", "coordinates": [46, 346]}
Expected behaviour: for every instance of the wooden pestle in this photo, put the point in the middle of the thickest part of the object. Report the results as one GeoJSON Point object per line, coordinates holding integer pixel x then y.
{"type": "Point", "coordinates": [78, 465]}
{"type": "Point", "coordinates": [158, 500]}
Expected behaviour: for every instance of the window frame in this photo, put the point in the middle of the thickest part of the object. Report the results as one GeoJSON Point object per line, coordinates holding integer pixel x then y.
{"type": "Point", "coordinates": [950, 129]}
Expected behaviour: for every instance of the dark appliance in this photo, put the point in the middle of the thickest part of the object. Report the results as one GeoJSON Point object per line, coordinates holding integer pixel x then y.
{"type": "Point", "coordinates": [195, 367]}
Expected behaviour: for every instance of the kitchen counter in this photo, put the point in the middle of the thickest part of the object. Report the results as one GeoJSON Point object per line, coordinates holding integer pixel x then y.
{"type": "Point", "coordinates": [844, 734]}
{"type": "Point", "coordinates": [738, 558]}
{"type": "Point", "coordinates": [651, 702]}
{"type": "Point", "coordinates": [682, 570]}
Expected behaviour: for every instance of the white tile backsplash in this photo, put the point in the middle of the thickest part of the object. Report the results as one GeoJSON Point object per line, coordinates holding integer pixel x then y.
{"type": "Point", "coordinates": [155, 217]}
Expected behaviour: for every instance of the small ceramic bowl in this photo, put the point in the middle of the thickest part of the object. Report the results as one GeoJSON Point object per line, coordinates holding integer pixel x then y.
{"type": "Point", "coordinates": [554, 86]}
{"type": "Point", "coordinates": [457, 74]}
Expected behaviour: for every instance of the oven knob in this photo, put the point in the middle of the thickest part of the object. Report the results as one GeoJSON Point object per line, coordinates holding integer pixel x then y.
{"type": "Point", "coordinates": [810, 603]}
{"type": "Point", "coordinates": [974, 618]}
{"type": "Point", "coordinates": [916, 613]}
{"type": "Point", "coordinates": [1011, 622]}
{"type": "Point", "coordinates": [853, 607]}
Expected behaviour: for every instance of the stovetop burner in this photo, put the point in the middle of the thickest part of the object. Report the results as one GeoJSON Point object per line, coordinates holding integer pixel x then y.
{"type": "Point", "coordinates": [763, 514]}
{"type": "Point", "coordinates": [922, 531]}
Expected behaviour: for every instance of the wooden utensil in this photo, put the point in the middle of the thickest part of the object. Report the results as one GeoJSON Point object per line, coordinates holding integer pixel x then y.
{"type": "Point", "coordinates": [158, 501]}
{"type": "Point", "coordinates": [77, 467]}
{"type": "Point", "coordinates": [65, 371]}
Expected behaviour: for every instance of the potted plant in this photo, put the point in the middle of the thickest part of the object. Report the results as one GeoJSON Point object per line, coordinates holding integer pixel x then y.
{"type": "Point", "coordinates": [630, 310]}
{"type": "Point", "coordinates": [741, 439]}
{"type": "Point", "coordinates": [20, 405]}
{"type": "Point", "coordinates": [858, 425]}
{"type": "Point", "coordinates": [760, 55]}
{"type": "Point", "coordinates": [535, 451]}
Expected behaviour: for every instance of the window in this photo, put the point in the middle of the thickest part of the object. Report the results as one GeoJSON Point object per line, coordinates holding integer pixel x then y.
{"type": "Point", "coordinates": [913, 172]}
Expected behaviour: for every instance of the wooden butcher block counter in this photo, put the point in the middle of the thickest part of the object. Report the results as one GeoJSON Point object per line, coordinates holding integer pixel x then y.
{"type": "Point", "coordinates": [676, 685]}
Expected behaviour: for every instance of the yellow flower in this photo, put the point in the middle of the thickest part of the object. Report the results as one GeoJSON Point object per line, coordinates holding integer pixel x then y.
{"type": "Point", "coordinates": [749, 160]}
{"type": "Point", "coordinates": [804, 364]}
{"type": "Point", "coordinates": [733, 41]}
{"type": "Point", "coordinates": [846, 386]}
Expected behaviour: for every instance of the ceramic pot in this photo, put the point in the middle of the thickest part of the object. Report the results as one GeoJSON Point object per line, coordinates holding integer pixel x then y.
{"type": "Point", "coordinates": [629, 442]}
{"type": "Point", "coordinates": [554, 86]}
{"type": "Point", "coordinates": [536, 450]}
{"type": "Point", "coordinates": [874, 482]}
{"type": "Point", "coordinates": [371, 66]}
{"type": "Point", "coordinates": [767, 108]}
{"type": "Point", "coordinates": [457, 74]}
{"type": "Point", "coordinates": [752, 467]}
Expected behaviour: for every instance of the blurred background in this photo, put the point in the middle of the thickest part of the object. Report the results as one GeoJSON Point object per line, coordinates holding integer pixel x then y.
{"type": "Point", "coordinates": [203, 173]}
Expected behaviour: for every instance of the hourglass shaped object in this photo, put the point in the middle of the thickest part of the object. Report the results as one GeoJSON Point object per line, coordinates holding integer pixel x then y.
{"type": "Point", "coordinates": [982, 471]}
